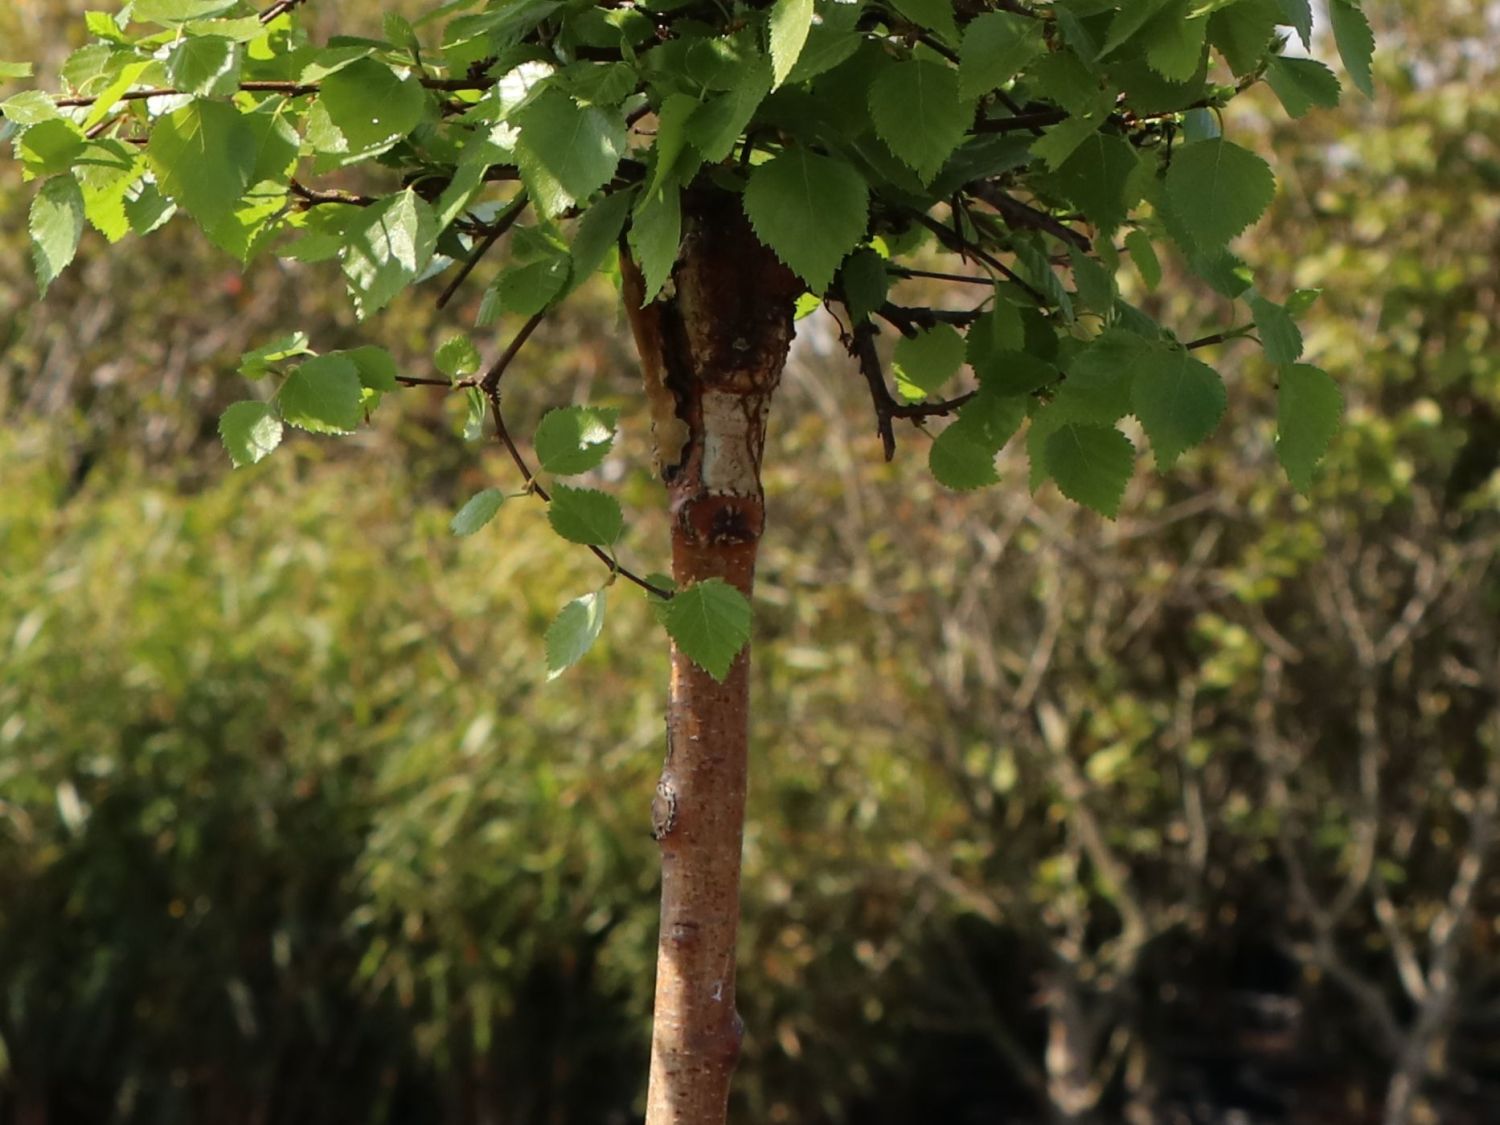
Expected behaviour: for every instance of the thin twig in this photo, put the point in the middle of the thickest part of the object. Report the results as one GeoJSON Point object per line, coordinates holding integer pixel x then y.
{"type": "Point", "coordinates": [534, 486]}
{"type": "Point", "coordinates": [490, 384]}
{"type": "Point", "coordinates": [960, 245]}
{"type": "Point", "coordinates": [266, 86]}
{"type": "Point", "coordinates": [1240, 333]}
{"type": "Point", "coordinates": [503, 222]}
{"type": "Point", "coordinates": [278, 8]}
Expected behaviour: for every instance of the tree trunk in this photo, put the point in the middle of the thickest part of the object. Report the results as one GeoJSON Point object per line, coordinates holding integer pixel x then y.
{"type": "Point", "coordinates": [712, 348]}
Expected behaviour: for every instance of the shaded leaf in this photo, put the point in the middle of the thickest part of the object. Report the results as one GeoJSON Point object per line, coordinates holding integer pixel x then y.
{"type": "Point", "coordinates": [1217, 189]}
{"type": "Point", "coordinates": [918, 113]}
{"type": "Point", "coordinates": [1301, 84]}
{"type": "Point", "coordinates": [1091, 465]}
{"type": "Point", "coordinates": [924, 362]}
{"type": "Point", "coordinates": [477, 511]}
{"type": "Point", "coordinates": [809, 209]}
{"type": "Point", "coordinates": [585, 515]}
{"type": "Point", "coordinates": [1355, 41]}
{"type": "Point", "coordinates": [710, 622]}
{"type": "Point", "coordinates": [1178, 399]}
{"type": "Point", "coordinates": [323, 396]}
{"type": "Point", "coordinates": [1308, 405]}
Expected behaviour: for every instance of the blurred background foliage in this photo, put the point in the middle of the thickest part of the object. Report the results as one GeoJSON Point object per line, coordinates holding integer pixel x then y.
{"type": "Point", "coordinates": [1190, 817]}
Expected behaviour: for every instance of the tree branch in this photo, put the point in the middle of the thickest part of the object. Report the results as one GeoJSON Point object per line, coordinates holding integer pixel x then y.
{"type": "Point", "coordinates": [503, 222]}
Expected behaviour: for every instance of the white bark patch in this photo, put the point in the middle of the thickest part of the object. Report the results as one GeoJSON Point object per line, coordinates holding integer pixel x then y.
{"type": "Point", "coordinates": [731, 434]}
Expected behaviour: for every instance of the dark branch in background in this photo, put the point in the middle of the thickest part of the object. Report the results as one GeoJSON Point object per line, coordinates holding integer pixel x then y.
{"type": "Point", "coordinates": [278, 8]}
{"type": "Point", "coordinates": [503, 222]}
{"type": "Point", "coordinates": [1019, 121]}
{"type": "Point", "coordinates": [966, 249]}
{"type": "Point", "coordinates": [490, 384]}
{"type": "Point", "coordinates": [1240, 333]}
{"type": "Point", "coordinates": [908, 320]}
{"type": "Point", "coordinates": [862, 347]}
{"type": "Point", "coordinates": [268, 86]}
{"type": "Point", "coordinates": [311, 197]}
{"type": "Point", "coordinates": [907, 271]}
{"type": "Point", "coordinates": [534, 486]}
{"type": "Point", "coordinates": [1022, 215]}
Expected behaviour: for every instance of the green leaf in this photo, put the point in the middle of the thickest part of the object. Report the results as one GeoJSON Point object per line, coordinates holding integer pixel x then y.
{"type": "Point", "coordinates": [177, 11]}
{"type": "Point", "coordinates": [993, 335]}
{"type": "Point", "coordinates": [109, 97]}
{"type": "Point", "coordinates": [596, 234]}
{"type": "Point", "coordinates": [996, 47]}
{"type": "Point", "coordinates": [262, 360]}
{"type": "Point", "coordinates": [250, 431]}
{"type": "Point", "coordinates": [477, 511]}
{"type": "Point", "coordinates": [934, 15]}
{"type": "Point", "coordinates": [833, 38]}
{"type": "Point", "coordinates": [50, 147]}
{"type": "Point", "coordinates": [538, 273]}
{"type": "Point", "coordinates": [710, 623]}
{"type": "Point", "coordinates": [1175, 41]}
{"type": "Point", "coordinates": [924, 362]}
{"type": "Point", "coordinates": [202, 156]}
{"type": "Point", "coordinates": [575, 439]}
{"type": "Point", "coordinates": [671, 159]}
{"type": "Point", "coordinates": [1278, 332]}
{"type": "Point", "coordinates": [1091, 465]}
{"type": "Point", "coordinates": [1143, 253]}
{"type": "Point", "coordinates": [30, 107]}
{"type": "Point", "coordinates": [566, 152]}
{"type": "Point", "coordinates": [865, 283]}
{"type": "Point", "coordinates": [1014, 372]}
{"type": "Point", "coordinates": [1301, 300]}
{"type": "Point", "coordinates": [106, 182]}
{"type": "Point", "coordinates": [324, 396]}
{"type": "Point", "coordinates": [918, 113]}
{"type": "Point", "coordinates": [1099, 178]}
{"type": "Point", "coordinates": [1242, 32]}
{"type": "Point", "coordinates": [962, 457]}
{"type": "Point", "coordinates": [1298, 14]}
{"type": "Point", "coordinates": [790, 23]}
{"type": "Point", "coordinates": [1178, 399]}
{"type": "Point", "coordinates": [371, 105]}
{"type": "Point", "coordinates": [1302, 84]}
{"type": "Point", "coordinates": [15, 69]}
{"type": "Point", "coordinates": [55, 225]}
{"type": "Point", "coordinates": [204, 64]}
{"type": "Point", "coordinates": [1217, 189]}
{"type": "Point", "coordinates": [655, 235]}
{"type": "Point", "coordinates": [809, 209]}
{"type": "Point", "coordinates": [585, 515]}
{"type": "Point", "coordinates": [389, 243]}
{"type": "Point", "coordinates": [1308, 405]}
{"type": "Point", "coordinates": [456, 357]}
{"type": "Point", "coordinates": [377, 370]}
{"type": "Point", "coordinates": [1128, 20]}
{"type": "Point", "coordinates": [1355, 41]}
{"type": "Point", "coordinates": [719, 122]}
{"type": "Point", "coordinates": [573, 632]}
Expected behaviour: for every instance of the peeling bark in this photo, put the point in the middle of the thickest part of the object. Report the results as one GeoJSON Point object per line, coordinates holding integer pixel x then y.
{"type": "Point", "coordinates": [712, 347]}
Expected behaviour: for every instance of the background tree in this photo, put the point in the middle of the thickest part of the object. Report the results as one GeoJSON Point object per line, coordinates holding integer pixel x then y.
{"type": "Point", "coordinates": [1092, 98]}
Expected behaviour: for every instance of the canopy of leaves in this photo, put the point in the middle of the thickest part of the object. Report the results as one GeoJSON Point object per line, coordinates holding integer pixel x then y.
{"type": "Point", "coordinates": [1028, 147]}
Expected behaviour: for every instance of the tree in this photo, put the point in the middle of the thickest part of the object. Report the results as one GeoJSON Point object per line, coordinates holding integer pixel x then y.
{"type": "Point", "coordinates": [747, 161]}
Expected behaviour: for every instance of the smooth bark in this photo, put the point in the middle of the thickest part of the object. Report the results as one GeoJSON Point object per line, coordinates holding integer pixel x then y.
{"type": "Point", "coordinates": [712, 346]}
